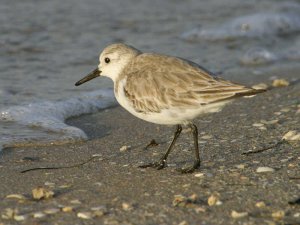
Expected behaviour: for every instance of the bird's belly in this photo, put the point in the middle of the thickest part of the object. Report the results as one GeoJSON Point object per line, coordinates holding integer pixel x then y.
{"type": "Point", "coordinates": [153, 117]}
{"type": "Point", "coordinates": [172, 115]}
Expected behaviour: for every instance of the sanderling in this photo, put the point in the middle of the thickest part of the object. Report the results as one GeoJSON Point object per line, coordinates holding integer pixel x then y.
{"type": "Point", "coordinates": [165, 90]}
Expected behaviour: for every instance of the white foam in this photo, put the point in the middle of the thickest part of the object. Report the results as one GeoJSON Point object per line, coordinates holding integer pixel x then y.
{"type": "Point", "coordinates": [262, 56]}
{"type": "Point", "coordinates": [48, 117]}
{"type": "Point", "coordinates": [251, 26]}
{"type": "Point", "coordinates": [258, 56]}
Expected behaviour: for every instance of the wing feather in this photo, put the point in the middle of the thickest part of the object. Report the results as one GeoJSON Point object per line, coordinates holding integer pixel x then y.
{"type": "Point", "coordinates": [157, 82]}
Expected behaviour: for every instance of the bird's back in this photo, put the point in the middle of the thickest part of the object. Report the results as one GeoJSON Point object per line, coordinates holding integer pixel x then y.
{"type": "Point", "coordinates": [153, 83]}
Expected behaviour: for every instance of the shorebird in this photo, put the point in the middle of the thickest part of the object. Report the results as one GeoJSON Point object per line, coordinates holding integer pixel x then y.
{"type": "Point", "coordinates": [165, 90]}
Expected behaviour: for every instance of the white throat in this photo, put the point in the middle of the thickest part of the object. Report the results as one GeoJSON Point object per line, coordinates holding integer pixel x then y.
{"type": "Point", "coordinates": [113, 73]}
{"type": "Point", "coordinates": [114, 70]}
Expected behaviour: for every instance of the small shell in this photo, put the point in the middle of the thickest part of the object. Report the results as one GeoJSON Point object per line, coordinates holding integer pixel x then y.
{"type": "Point", "coordinates": [85, 215]}
{"type": "Point", "coordinates": [280, 83]}
{"type": "Point", "coordinates": [199, 175]}
{"type": "Point", "coordinates": [292, 136]}
{"type": "Point", "coordinates": [40, 193]}
{"type": "Point", "coordinates": [20, 217]}
{"type": "Point", "coordinates": [278, 215]}
{"type": "Point", "coordinates": [67, 209]}
{"type": "Point", "coordinates": [237, 215]}
{"type": "Point", "coordinates": [260, 204]}
{"type": "Point", "coordinates": [16, 196]}
{"type": "Point", "coordinates": [264, 169]}
{"type": "Point", "coordinates": [51, 211]}
{"type": "Point", "coordinates": [38, 215]}
{"type": "Point", "coordinates": [212, 200]}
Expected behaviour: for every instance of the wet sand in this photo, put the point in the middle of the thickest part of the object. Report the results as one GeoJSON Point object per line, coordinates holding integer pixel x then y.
{"type": "Point", "coordinates": [126, 194]}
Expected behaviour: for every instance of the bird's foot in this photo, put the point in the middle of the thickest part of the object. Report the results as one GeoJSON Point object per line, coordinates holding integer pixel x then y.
{"type": "Point", "coordinates": [157, 165]}
{"type": "Point", "coordinates": [192, 168]}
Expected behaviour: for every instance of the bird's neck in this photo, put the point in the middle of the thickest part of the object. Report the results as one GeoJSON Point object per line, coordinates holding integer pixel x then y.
{"type": "Point", "coordinates": [119, 83]}
{"type": "Point", "coordinates": [115, 73]}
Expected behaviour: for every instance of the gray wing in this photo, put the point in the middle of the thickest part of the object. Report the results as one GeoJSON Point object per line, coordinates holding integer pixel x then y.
{"type": "Point", "coordinates": [157, 82]}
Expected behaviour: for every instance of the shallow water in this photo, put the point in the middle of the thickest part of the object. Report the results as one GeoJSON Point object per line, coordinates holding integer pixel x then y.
{"type": "Point", "coordinates": [46, 46]}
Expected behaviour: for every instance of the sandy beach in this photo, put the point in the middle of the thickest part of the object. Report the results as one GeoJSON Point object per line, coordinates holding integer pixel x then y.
{"type": "Point", "coordinates": [111, 189]}
{"type": "Point", "coordinates": [49, 45]}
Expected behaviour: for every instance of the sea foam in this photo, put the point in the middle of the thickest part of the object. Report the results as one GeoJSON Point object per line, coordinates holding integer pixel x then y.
{"type": "Point", "coordinates": [44, 122]}
{"type": "Point", "coordinates": [251, 26]}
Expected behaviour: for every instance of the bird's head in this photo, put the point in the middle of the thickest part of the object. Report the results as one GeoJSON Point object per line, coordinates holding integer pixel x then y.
{"type": "Point", "coordinates": [112, 61]}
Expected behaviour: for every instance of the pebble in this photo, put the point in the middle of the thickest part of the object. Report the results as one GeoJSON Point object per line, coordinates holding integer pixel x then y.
{"type": "Point", "coordinates": [13, 214]}
{"type": "Point", "coordinates": [99, 184]}
{"type": "Point", "coordinates": [200, 209]}
{"type": "Point", "coordinates": [280, 83]}
{"type": "Point", "coordinates": [38, 215]}
{"type": "Point", "coordinates": [193, 197]}
{"type": "Point", "coordinates": [206, 137]}
{"type": "Point", "coordinates": [258, 125]}
{"type": "Point", "coordinates": [260, 86]}
{"type": "Point", "coordinates": [264, 169]}
{"type": "Point", "coordinates": [219, 202]}
{"type": "Point", "coordinates": [270, 122]}
{"type": "Point", "coordinates": [296, 215]}
{"type": "Point", "coordinates": [260, 204]}
{"type": "Point", "coordinates": [125, 148]}
{"type": "Point", "coordinates": [183, 223]}
{"type": "Point", "coordinates": [278, 215]}
{"type": "Point", "coordinates": [199, 175]}
{"type": "Point", "coordinates": [126, 206]}
{"type": "Point", "coordinates": [51, 211]}
{"type": "Point", "coordinates": [262, 128]}
{"type": "Point", "coordinates": [292, 136]}
{"type": "Point", "coordinates": [179, 200]}
{"type": "Point", "coordinates": [75, 201]}
{"type": "Point", "coordinates": [237, 215]}
{"type": "Point", "coordinates": [49, 184]}
{"type": "Point", "coordinates": [20, 217]}
{"type": "Point", "coordinates": [67, 209]}
{"type": "Point", "coordinates": [285, 110]}
{"type": "Point", "coordinates": [42, 193]}
{"type": "Point", "coordinates": [187, 202]}
{"type": "Point", "coordinates": [241, 166]}
{"type": "Point", "coordinates": [99, 213]}
{"type": "Point", "coordinates": [9, 213]}
{"type": "Point", "coordinates": [84, 215]}
{"type": "Point", "coordinates": [64, 186]}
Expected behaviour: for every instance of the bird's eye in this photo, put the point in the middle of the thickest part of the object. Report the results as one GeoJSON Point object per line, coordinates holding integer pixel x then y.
{"type": "Point", "coordinates": [107, 60]}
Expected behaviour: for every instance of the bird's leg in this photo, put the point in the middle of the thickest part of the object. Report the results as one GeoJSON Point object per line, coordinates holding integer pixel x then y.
{"type": "Point", "coordinates": [196, 150]}
{"type": "Point", "coordinates": [162, 162]}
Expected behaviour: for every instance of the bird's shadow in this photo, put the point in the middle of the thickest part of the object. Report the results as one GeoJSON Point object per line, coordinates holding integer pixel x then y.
{"type": "Point", "coordinates": [91, 125]}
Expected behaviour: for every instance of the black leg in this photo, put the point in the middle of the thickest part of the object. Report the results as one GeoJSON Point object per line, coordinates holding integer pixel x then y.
{"type": "Point", "coordinates": [196, 151]}
{"type": "Point", "coordinates": [162, 162]}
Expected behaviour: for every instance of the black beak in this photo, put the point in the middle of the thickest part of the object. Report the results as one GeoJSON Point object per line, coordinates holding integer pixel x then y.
{"type": "Point", "coordinates": [95, 73]}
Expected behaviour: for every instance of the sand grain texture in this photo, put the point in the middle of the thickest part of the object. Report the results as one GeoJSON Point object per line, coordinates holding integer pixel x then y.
{"type": "Point", "coordinates": [111, 189]}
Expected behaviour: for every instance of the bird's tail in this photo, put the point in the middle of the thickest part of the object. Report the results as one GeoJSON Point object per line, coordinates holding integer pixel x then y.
{"type": "Point", "coordinates": [250, 93]}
